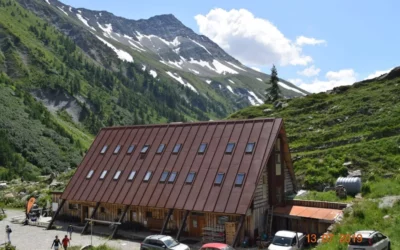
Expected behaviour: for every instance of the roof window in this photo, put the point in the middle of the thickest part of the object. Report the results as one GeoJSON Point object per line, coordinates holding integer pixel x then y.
{"type": "Point", "coordinates": [219, 178]}
{"type": "Point", "coordinates": [164, 176]}
{"type": "Point", "coordinates": [130, 149]}
{"type": "Point", "coordinates": [104, 149]}
{"type": "Point", "coordinates": [177, 148]}
{"type": "Point", "coordinates": [190, 177]}
{"type": "Point", "coordinates": [144, 149]}
{"type": "Point", "coordinates": [103, 175]}
{"type": "Point", "coordinates": [202, 148]}
{"type": "Point", "coordinates": [117, 174]}
{"type": "Point", "coordinates": [160, 148]}
{"type": "Point", "coordinates": [131, 175]}
{"type": "Point", "coordinates": [147, 176]}
{"type": "Point", "coordinates": [239, 179]}
{"type": "Point", "coordinates": [250, 147]}
{"type": "Point", "coordinates": [229, 148]}
{"type": "Point", "coordinates": [117, 148]}
{"type": "Point", "coordinates": [172, 177]}
{"type": "Point", "coordinates": [89, 175]}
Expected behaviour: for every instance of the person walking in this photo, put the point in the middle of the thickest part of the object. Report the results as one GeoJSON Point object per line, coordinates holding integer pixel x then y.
{"type": "Point", "coordinates": [56, 243]}
{"type": "Point", "coordinates": [70, 229]}
{"type": "Point", "coordinates": [8, 232]}
{"type": "Point", "coordinates": [65, 242]}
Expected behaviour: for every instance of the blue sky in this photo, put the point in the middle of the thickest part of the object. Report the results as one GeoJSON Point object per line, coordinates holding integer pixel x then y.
{"type": "Point", "coordinates": [346, 41]}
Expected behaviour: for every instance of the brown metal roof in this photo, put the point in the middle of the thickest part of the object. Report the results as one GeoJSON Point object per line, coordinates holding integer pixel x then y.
{"type": "Point", "coordinates": [202, 194]}
{"type": "Point", "coordinates": [325, 214]}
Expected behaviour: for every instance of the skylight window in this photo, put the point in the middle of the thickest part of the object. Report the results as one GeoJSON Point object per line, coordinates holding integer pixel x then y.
{"type": "Point", "coordinates": [130, 149]}
{"type": "Point", "coordinates": [117, 174]}
{"type": "Point", "coordinates": [89, 175]}
{"type": "Point", "coordinates": [250, 147]}
{"type": "Point", "coordinates": [160, 148]}
{"type": "Point", "coordinates": [144, 149]}
{"type": "Point", "coordinates": [172, 177]}
{"type": "Point", "coordinates": [229, 148]}
{"type": "Point", "coordinates": [190, 177]}
{"type": "Point", "coordinates": [202, 148]}
{"type": "Point", "coordinates": [103, 175]}
{"type": "Point", "coordinates": [147, 176]}
{"type": "Point", "coordinates": [104, 149]}
{"type": "Point", "coordinates": [131, 175]}
{"type": "Point", "coordinates": [164, 176]}
{"type": "Point", "coordinates": [239, 179]}
{"type": "Point", "coordinates": [219, 178]}
{"type": "Point", "coordinates": [117, 148]}
{"type": "Point", "coordinates": [177, 148]}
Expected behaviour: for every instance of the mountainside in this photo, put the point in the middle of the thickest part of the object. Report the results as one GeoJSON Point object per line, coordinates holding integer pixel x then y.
{"type": "Point", "coordinates": [350, 128]}
{"type": "Point", "coordinates": [166, 49]}
{"type": "Point", "coordinates": [61, 80]}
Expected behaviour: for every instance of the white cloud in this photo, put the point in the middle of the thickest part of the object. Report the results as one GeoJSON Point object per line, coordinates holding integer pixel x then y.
{"type": "Point", "coordinates": [332, 79]}
{"type": "Point", "coordinates": [302, 40]}
{"type": "Point", "coordinates": [252, 40]}
{"type": "Point", "coordinates": [310, 71]}
{"type": "Point", "coordinates": [378, 73]}
{"type": "Point", "coordinates": [256, 69]}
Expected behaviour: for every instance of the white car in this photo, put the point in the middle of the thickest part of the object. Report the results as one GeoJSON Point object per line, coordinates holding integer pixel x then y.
{"type": "Point", "coordinates": [162, 242]}
{"type": "Point", "coordinates": [287, 240]}
{"type": "Point", "coordinates": [371, 240]}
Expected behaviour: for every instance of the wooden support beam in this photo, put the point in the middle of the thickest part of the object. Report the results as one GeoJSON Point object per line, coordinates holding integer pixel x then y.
{"type": "Point", "coordinates": [91, 217]}
{"type": "Point", "coordinates": [182, 225]}
{"type": "Point", "coordinates": [239, 229]}
{"type": "Point", "coordinates": [119, 221]}
{"type": "Point", "coordinates": [166, 221]}
{"type": "Point", "coordinates": [56, 214]}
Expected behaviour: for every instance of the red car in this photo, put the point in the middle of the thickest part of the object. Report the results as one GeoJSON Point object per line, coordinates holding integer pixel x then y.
{"type": "Point", "coordinates": [216, 246]}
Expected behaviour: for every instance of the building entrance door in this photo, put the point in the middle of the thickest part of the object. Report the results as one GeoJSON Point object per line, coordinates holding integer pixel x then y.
{"type": "Point", "coordinates": [196, 224]}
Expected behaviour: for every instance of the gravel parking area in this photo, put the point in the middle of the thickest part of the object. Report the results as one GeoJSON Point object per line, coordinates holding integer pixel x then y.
{"type": "Point", "coordinates": [38, 238]}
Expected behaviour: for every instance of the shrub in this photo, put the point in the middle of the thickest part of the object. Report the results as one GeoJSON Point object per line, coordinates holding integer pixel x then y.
{"type": "Point", "coordinates": [366, 189]}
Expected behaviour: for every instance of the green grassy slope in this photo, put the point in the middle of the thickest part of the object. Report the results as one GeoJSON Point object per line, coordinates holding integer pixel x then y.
{"type": "Point", "coordinates": [358, 124]}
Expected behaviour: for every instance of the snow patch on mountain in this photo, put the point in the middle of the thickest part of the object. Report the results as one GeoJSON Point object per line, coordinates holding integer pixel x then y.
{"type": "Point", "coordinates": [47, 1]}
{"type": "Point", "coordinates": [201, 63]}
{"type": "Point", "coordinates": [291, 88]}
{"type": "Point", "coordinates": [84, 21]}
{"type": "Point", "coordinates": [153, 73]}
{"type": "Point", "coordinates": [123, 55]}
{"type": "Point", "coordinates": [208, 81]}
{"type": "Point", "coordinates": [180, 80]}
{"type": "Point", "coordinates": [202, 46]}
{"type": "Point", "coordinates": [176, 64]}
{"type": "Point", "coordinates": [231, 81]}
{"type": "Point", "coordinates": [70, 9]}
{"type": "Point", "coordinates": [143, 67]}
{"type": "Point", "coordinates": [259, 79]}
{"type": "Point", "coordinates": [107, 28]}
{"type": "Point", "coordinates": [255, 97]}
{"type": "Point", "coordinates": [195, 71]}
{"type": "Point", "coordinates": [235, 66]}
{"type": "Point", "coordinates": [136, 47]}
{"type": "Point", "coordinates": [230, 89]}
{"type": "Point", "coordinates": [223, 69]}
{"type": "Point", "coordinates": [63, 10]}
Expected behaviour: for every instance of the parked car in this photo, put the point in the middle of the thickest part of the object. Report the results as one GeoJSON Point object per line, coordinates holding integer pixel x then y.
{"type": "Point", "coordinates": [287, 240]}
{"type": "Point", "coordinates": [371, 240]}
{"type": "Point", "coordinates": [216, 246]}
{"type": "Point", "coordinates": [164, 242]}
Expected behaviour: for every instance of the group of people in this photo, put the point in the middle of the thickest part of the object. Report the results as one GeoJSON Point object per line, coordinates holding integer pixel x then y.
{"type": "Point", "coordinates": [64, 242]}
{"type": "Point", "coordinates": [57, 243]}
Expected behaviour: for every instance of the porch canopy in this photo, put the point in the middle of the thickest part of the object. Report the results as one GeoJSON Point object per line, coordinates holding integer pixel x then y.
{"type": "Point", "coordinates": [323, 214]}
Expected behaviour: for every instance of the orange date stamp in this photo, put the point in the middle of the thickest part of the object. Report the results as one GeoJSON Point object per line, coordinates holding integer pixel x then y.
{"type": "Point", "coordinates": [329, 237]}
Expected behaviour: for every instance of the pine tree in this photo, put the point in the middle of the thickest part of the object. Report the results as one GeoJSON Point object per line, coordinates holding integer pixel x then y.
{"type": "Point", "coordinates": [273, 92]}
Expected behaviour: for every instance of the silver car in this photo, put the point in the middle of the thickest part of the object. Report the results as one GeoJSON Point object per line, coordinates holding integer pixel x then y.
{"type": "Point", "coordinates": [158, 242]}
{"type": "Point", "coordinates": [369, 240]}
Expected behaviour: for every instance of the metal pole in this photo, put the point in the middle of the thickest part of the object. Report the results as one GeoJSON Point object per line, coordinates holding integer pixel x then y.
{"type": "Point", "coordinates": [91, 233]}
